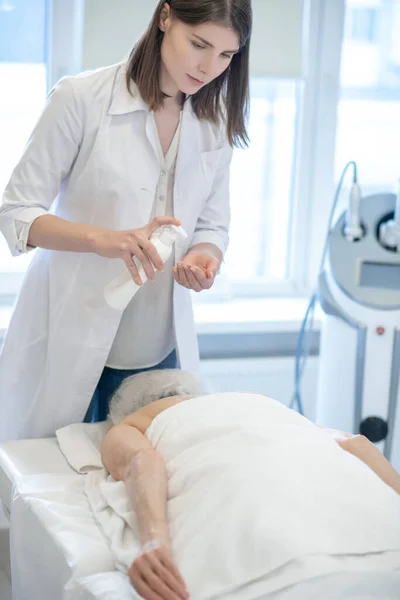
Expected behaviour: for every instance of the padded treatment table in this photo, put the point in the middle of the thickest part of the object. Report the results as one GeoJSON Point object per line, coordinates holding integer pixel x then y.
{"type": "Point", "coordinates": [59, 552]}
{"type": "Point", "coordinates": [21, 459]}
{"type": "Point", "coordinates": [54, 538]}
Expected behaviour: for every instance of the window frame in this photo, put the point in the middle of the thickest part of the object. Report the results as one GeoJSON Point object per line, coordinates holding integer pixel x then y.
{"type": "Point", "coordinates": [65, 39]}
{"type": "Point", "coordinates": [318, 144]}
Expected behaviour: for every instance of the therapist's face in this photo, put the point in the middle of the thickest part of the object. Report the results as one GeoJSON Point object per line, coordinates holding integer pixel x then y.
{"type": "Point", "coordinates": [192, 56]}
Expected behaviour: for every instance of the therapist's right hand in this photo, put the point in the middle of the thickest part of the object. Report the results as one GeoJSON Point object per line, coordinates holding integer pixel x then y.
{"type": "Point", "coordinates": [133, 243]}
{"type": "Point", "coordinates": [155, 576]}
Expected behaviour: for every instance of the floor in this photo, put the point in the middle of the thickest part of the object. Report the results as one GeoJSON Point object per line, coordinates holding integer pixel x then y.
{"type": "Point", "coordinates": [5, 586]}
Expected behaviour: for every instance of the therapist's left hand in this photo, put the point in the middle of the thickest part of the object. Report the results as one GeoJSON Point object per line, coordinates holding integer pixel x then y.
{"type": "Point", "coordinates": [197, 271]}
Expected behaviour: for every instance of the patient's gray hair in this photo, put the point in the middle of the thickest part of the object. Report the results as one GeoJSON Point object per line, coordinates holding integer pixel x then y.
{"type": "Point", "coordinates": [141, 389]}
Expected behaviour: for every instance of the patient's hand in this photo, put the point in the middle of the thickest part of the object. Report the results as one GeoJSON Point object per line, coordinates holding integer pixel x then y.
{"type": "Point", "coordinates": [336, 434]}
{"type": "Point", "coordinates": [155, 576]}
{"type": "Point", "coordinates": [363, 449]}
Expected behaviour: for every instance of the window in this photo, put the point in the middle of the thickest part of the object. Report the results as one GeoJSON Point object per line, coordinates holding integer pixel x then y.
{"type": "Point", "coordinates": [40, 42]}
{"type": "Point", "coordinates": [23, 52]}
{"type": "Point", "coordinates": [362, 24]}
{"type": "Point", "coordinates": [369, 108]}
{"type": "Point", "coordinates": [262, 196]}
{"type": "Point", "coordinates": [262, 187]}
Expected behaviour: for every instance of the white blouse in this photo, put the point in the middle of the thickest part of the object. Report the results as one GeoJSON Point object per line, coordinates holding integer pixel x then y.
{"type": "Point", "coordinates": [145, 336]}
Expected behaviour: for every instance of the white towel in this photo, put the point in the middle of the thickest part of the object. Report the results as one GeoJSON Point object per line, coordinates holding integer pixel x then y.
{"type": "Point", "coordinates": [80, 443]}
{"type": "Point", "coordinates": [259, 499]}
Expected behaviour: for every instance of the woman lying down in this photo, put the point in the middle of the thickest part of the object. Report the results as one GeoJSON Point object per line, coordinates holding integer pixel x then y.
{"type": "Point", "coordinates": [236, 495]}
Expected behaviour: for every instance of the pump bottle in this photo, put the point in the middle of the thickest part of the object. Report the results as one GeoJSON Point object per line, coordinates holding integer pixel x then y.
{"type": "Point", "coordinates": [122, 289]}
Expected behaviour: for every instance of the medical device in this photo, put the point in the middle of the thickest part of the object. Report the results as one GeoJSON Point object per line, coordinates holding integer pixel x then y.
{"type": "Point", "coordinates": [359, 293]}
{"type": "Point", "coordinates": [121, 290]}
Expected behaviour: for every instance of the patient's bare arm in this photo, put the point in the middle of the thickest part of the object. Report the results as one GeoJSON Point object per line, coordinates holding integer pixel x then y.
{"type": "Point", "coordinates": [362, 448]}
{"type": "Point", "coordinates": [128, 456]}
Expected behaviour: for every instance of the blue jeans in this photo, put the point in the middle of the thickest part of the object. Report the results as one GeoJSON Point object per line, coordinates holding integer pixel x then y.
{"type": "Point", "coordinates": [110, 381]}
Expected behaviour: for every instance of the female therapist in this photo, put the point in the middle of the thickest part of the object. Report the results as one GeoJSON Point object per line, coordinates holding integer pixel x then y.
{"type": "Point", "coordinates": [123, 150]}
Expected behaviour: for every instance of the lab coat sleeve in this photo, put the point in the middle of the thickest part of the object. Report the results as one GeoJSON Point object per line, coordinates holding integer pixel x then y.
{"type": "Point", "coordinates": [213, 223]}
{"type": "Point", "coordinates": [47, 159]}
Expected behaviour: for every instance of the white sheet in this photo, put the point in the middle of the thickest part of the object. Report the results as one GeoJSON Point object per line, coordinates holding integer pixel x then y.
{"type": "Point", "coordinates": [347, 586]}
{"type": "Point", "coordinates": [54, 538]}
{"type": "Point", "coordinates": [259, 499]}
{"type": "Point", "coordinates": [105, 586]}
{"type": "Point", "coordinates": [344, 586]}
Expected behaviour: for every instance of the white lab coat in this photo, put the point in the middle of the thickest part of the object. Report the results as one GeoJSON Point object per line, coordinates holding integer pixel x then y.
{"type": "Point", "coordinates": [94, 151]}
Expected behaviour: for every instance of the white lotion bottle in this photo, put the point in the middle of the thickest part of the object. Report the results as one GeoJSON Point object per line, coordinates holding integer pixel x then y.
{"type": "Point", "coordinates": [121, 290]}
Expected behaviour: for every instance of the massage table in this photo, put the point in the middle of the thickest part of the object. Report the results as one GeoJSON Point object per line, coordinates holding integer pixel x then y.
{"type": "Point", "coordinates": [58, 551]}
{"type": "Point", "coordinates": [54, 554]}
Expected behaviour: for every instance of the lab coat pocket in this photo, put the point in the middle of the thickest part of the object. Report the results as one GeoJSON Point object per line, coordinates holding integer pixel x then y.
{"type": "Point", "coordinates": [210, 162]}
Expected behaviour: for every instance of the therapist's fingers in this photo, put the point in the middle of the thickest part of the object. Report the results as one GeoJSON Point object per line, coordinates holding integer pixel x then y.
{"type": "Point", "coordinates": [181, 276]}
{"type": "Point", "coordinates": [178, 277]}
{"type": "Point", "coordinates": [191, 279]}
{"type": "Point", "coordinates": [204, 279]}
{"type": "Point", "coordinates": [143, 258]}
{"type": "Point", "coordinates": [160, 222]}
{"type": "Point", "coordinates": [132, 268]}
{"type": "Point", "coordinates": [151, 252]}
{"type": "Point", "coordinates": [201, 277]}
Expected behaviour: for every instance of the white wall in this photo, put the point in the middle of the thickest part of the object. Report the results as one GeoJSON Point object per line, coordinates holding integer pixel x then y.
{"type": "Point", "coordinates": [273, 377]}
{"type": "Point", "coordinates": [112, 27]}
{"type": "Point", "coordinates": [277, 42]}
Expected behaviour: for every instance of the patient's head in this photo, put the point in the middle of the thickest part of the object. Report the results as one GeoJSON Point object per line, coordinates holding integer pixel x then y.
{"type": "Point", "coordinates": [141, 389]}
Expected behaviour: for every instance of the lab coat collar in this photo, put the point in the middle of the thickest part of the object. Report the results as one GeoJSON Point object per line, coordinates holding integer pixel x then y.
{"type": "Point", "coordinates": [123, 102]}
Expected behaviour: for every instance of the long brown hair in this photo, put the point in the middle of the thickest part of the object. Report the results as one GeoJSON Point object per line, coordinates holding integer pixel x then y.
{"type": "Point", "coordinates": [226, 97]}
